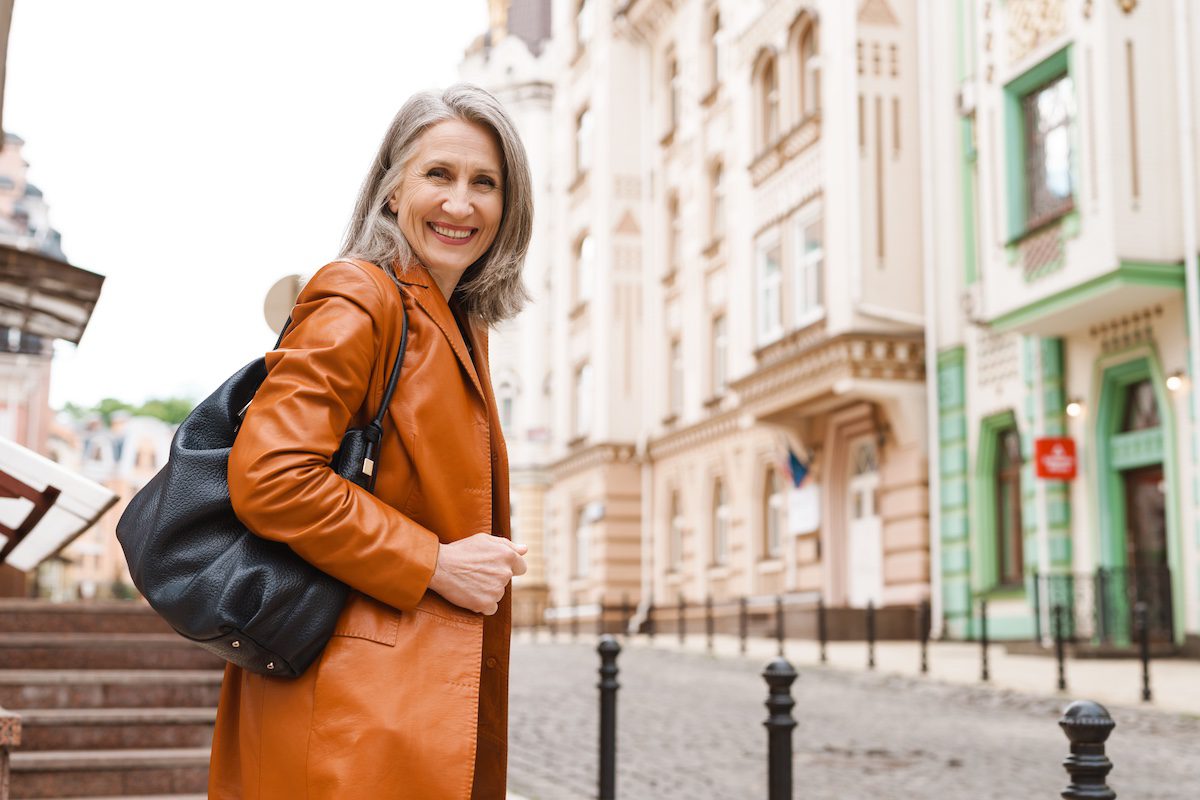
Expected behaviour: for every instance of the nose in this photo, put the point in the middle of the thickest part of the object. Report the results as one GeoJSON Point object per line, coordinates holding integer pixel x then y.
{"type": "Point", "coordinates": [458, 201]}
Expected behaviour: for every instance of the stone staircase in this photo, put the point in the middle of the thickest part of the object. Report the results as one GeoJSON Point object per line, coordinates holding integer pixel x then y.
{"type": "Point", "coordinates": [112, 703]}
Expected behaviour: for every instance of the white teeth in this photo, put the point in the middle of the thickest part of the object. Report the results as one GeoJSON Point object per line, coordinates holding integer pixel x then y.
{"type": "Point", "coordinates": [452, 234]}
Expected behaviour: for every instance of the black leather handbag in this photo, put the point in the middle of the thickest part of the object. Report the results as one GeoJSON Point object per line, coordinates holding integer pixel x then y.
{"type": "Point", "coordinates": [250, 600]}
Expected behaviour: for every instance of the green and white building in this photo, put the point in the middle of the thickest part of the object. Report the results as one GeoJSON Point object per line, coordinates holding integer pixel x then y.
{"type": "Point", "coordinates": [1060, 166]}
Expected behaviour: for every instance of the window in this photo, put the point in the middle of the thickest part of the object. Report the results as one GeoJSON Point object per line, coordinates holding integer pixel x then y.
{"type": "Point", "coordinates": [810, 260]}
{"type": "Point", "coordinates": [1010, 562]}
{"type": "Point", "coordinates": [714, 49]}
{"type": "Point", "coordinates": [674, 233]}
{"type": "Point", "coordinates": [1141, 408]}
{"type": "Point", "coordinates": [583, 141]}
{"type": "Point", "coordinates": [770, 316]}
{"type": "Point", "coordinates": [768, 98]}
{"type": "Point", "coordinates": [583, 541]}
{"type": "Point", "coordinates": [673, 92]}
{"type": "Point", "coordinates": [675, 379]}
{"type": "Point", "coordinates": [585, 268]}
{"type": "Point", "coordinates": [583, 399]}
{"type": "Point", "coordinates": [720, 523]}
{"type": "Point", "coordinates": [773, 514]}
{"type": "Point", "coordinates": [717, 192]}
{"type": "Point", "coordinates": [583, 24]}
{"type": "Point", "coordinates": [810, 68]}
{"type": "Point", "coordinates": [1048, 112]}
{"type": "Point", "coordinates": [720, 355]}
{"type": "Point", "coordinates": [675, 542]}
{"type": "Point", "coordinates": [506, 399]}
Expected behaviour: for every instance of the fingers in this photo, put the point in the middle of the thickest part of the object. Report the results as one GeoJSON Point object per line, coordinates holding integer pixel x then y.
{"type": "Point", "coordinates": [490, 610]}
{"type": "Point", "coordinates": [520, 567]}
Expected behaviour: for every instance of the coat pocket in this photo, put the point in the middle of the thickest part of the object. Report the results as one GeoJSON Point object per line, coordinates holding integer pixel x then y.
{"type": "Point", "coordinates": [366, 618]}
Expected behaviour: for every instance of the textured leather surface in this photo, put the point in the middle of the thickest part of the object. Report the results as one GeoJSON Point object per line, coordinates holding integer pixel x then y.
{"type": "Point", "coordinates": [252, 601]}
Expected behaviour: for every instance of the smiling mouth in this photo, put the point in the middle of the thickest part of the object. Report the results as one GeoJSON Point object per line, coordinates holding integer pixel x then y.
{"type": "Point", "coordinates": [452, 235]}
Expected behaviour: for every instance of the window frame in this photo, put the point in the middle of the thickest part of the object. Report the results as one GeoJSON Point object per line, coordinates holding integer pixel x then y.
{"type": "Point", "coordinates": [764, 331]}
{"type": "Point", "coordinates": [722, 514]}
{"type": "Point", "coordinates": [808, 271]}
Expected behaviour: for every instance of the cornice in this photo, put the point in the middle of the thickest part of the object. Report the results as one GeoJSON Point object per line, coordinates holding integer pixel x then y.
{"type": "Point", "coordinates": [592, 456]}
{"type": "Point", "coordinates": [648, 17]}
{"type": "Point", "coordinates": [802, 136]}
{"type": "Point", "coordinates": [817, 362]}
{"type": "Point", "coordinates": [701, 433]}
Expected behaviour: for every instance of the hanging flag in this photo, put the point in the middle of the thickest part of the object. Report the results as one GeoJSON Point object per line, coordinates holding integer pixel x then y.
{"type": "Point", "coordinates": [790, 462]}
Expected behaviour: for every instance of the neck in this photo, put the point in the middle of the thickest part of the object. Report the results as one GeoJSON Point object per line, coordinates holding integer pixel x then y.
{"type": "Point", "coordinates": [446, 281]}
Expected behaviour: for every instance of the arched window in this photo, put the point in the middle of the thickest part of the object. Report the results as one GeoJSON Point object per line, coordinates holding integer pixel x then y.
{"type": "Point", "coordinates": [675, 542]}
{"type": "Point", "coordinates": [583, 141]}
{"type": "Point", "coordinates": [774, 507]}
{"type": "Point", "coordinates": [808, 62]}
{"type": "Point", "coordinates": [674, 233]}
{"type": "Point", "coordinates": [673, 91]}
{"type": "Point", "coordinates": [1010, 557]}
{"type": "Point", "coordinates": [717, 192]}
{"type": "Point", "coordinates": [585, 268]}
{"type": "Point", "coordinates": [713, 43]}
{"type": "Point", "coordinates": [768, 100]}
{"type": "Point", "coordinates": [583, 541]}
{"type": "Point", "coordinates": [720, 523]}
{"type": "Point", "coordinates": [506, 399]}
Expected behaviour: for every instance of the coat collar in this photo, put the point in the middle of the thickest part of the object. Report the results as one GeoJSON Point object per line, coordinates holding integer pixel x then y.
{"type": "Point", "coordinates": [429, 297]}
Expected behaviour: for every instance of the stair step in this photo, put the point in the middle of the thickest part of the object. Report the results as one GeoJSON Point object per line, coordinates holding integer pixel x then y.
{"type": "Point", "coordinates": [102, 651]}
{"type": "Point", "coordinates": [112, 728]}
{"type": "Point", "coordinates": [117, 773]}
{"type": "Point", "coordinates": [62, 688]}
{"type": "Point", "coordinates": [100, 616]}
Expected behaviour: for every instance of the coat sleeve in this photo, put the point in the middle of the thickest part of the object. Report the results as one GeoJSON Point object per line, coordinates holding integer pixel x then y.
{"type": "Point", "coordinates": [280, 482]}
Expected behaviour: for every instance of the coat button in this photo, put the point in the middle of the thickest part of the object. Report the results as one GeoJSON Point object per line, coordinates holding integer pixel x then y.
{"type": "Point", "coordinates": [491, 662]}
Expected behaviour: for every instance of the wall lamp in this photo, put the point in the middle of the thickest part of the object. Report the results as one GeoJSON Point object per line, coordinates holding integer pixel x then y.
{"type": "Point", "coordinates": [1075, 408]}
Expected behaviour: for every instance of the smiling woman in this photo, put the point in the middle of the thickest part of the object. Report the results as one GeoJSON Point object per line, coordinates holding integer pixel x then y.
{"type": "Point", "coordinates": [409, 699]}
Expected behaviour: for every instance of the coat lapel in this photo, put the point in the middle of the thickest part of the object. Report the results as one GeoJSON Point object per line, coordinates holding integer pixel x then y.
{"type": "Point", "coordinates": [430, 299]}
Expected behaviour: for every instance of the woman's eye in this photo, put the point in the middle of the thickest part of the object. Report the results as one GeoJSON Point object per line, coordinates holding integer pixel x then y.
{"type": "Point", "coordinates": [487, 182]}
{"type": "Point", "coordinates": [436, 172]}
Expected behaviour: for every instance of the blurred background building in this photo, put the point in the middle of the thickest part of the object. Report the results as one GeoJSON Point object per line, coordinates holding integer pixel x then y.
{"type": "Point", "coordinates": [746, 209]}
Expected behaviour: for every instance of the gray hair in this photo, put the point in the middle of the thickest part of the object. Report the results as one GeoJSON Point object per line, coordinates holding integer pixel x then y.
{"type": "Point", "coordinates": [491, 288]}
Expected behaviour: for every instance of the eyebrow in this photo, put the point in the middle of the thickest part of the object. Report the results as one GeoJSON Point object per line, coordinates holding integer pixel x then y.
{"type": "Point", "coordinates": [441, 162]}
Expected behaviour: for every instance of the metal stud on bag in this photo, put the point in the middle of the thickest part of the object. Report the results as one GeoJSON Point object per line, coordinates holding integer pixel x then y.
{"type": "Point", "coordinates": [236, 643]}
{"type": "Point", "coordinates": [270, 665]}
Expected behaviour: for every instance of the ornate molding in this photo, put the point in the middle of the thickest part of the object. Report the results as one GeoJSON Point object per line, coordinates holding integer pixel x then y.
{"type": "Point", "coordinates": [1032, 23]}
{"type": "Point", "coordinates": [702, 433]}
{"type": "Point", "coordinates": [785, 148]}
{"type": "Point", "coordinates": [648, 17]}
{"type": "Point", "coordinates": [817, 364]}
{"type": "Point", "coordinates": [590, 457]}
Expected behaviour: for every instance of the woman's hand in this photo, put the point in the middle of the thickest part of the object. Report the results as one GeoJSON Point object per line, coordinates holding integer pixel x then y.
{"type": "Point", "coordinates": [474, 572]}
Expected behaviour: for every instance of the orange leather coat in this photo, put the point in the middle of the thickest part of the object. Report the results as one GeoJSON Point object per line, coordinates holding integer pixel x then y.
{"type": "Point", "coordinates": [410, 697]}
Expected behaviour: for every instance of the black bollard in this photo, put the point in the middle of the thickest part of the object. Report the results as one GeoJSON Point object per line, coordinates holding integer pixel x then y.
{"type": "Point", "coordinates": [983, 641]}
{"type": "Point", "coordinates": [608, 649]}
{"type": "Point", "coordinates": [743, 622]}
{"type": "Point", "coordinates": [600, 619]}
{"type": "Point", "coordinates": [1142, 616]}
{"type": "Point", "coordinates": [780, 676]}
{"type": "Point", "coordinates": [650, 623]}
{"type": "Point", "coordinates": [779, 622]}
{"type": "Point", "coordinates": [1088, 726]}
{"type": "Point", "coordinates": [924, 623]}
{"type": "Point", "coordinates": [870, 634]}
{"type": "Point", "coordinates": [575, 622]}
{"type": "Point", "coordinates": [1059, 649]}
{"type": "Point", "coordinates": [822, 630]}
{"type": "Point", "coordinates": [625, 614]}
{"type": "Point", "coordinates": [682, 621]}
{"type": "Point", "coordinates": [708, 621]}
{"type": "Point", "coordinates": [553, 622]}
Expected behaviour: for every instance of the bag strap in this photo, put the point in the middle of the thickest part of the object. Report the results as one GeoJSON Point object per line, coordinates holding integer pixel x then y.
{"type": "Point", "coordinates": [374, 428]}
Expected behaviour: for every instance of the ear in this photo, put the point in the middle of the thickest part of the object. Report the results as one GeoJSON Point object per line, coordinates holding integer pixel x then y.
{"type": "Point", "coordinates": [394, 201]}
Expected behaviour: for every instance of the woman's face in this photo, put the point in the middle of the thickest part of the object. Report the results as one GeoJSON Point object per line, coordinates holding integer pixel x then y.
{"type": "Point", "coordinates": [450, 201]}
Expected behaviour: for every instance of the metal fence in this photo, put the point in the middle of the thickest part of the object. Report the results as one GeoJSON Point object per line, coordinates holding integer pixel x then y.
{"type": "Point", "coordinates": [1099, 608]}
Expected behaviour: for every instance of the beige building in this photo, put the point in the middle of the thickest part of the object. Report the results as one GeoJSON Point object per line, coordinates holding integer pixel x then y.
{"type": "Point", "coordinates": [731, 267]}
{"type": "Point", "coordinates": [512, 61]}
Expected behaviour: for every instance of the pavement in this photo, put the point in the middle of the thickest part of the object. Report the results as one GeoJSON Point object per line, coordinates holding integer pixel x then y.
{"type": "Point", "coordinates": [690, 723]}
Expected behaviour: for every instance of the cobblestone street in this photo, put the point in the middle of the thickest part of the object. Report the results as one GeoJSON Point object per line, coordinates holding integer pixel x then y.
{"type": "Point", "coordinates": [690, 726]}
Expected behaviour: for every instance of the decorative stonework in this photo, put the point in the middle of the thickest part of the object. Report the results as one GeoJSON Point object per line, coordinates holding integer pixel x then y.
{"type": "Point", "coordinates": [1032, 23]}
{"type": "Point", "coordinates": [10, 728]}
{"type": "Point", "coordinates": [707, 431]}
{"type": "Point", "coordinates": [817, 367]}
{"type": "Point", "coordinates": [1127, 330]}
{"type": "Point", "coordinates": [597, 455]}
{"type": "Point", "coordinates": [627, 187]}
{"type": "Point", "coordinates": [878, 13]}
{"type": "Point", "coordinates": [1041, 253]}
{"type": "Point", "coordinates": [1127, 6]}
{"type": "Point", "coordinates": [998, 356]}
{"type": "Point", "coordinates": [785, 148]}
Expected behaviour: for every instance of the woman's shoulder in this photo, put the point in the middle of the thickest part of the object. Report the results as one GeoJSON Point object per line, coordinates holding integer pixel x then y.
{"type": "Point", "coordinates": [358, 280]}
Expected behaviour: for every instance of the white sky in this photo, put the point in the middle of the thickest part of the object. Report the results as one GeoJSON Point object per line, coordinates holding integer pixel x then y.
{"type": "Point", "coordinates": [196, 151]}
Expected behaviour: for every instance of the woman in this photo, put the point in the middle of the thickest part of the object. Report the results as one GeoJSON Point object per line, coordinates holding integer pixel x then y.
{"type": "Point", "coordinates": [410, 697]}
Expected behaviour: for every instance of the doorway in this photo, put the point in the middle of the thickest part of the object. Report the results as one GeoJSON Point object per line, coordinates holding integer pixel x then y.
{"type": "Point", "coordinates": [865, 574]}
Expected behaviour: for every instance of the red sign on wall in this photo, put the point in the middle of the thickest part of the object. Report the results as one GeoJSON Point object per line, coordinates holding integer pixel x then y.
{"type": "Point", "coordinates": [1055, 457]}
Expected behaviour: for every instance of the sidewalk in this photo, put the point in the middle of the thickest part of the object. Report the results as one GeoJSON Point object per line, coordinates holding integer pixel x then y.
{"type": "Point", "coordinates": [1175, 682]}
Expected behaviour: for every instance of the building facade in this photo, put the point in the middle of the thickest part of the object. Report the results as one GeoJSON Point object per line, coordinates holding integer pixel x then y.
{"type": "Point", "coordinates": [1067, 310]}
